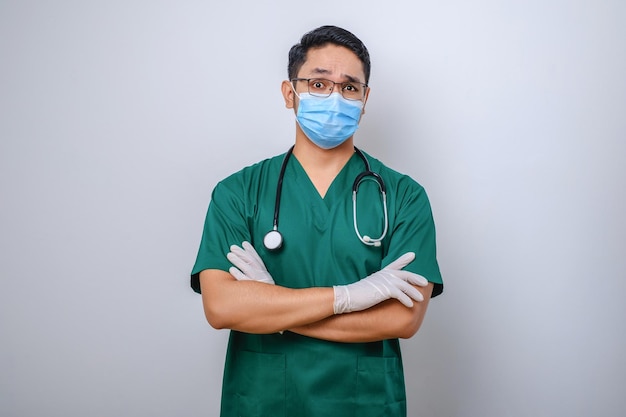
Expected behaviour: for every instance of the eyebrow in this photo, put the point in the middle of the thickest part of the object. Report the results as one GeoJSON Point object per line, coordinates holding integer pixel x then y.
{"type": "Point", "coordinates": [323, 71]}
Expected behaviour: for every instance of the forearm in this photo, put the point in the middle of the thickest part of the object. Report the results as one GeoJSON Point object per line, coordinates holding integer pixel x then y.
{"type": "Point", "coordinates": [387, 320]}
{"type": "Point", "coordinates": [254, 307]}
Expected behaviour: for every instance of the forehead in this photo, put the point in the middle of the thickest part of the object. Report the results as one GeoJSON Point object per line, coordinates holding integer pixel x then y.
{"type": "Point", "coordinates": [333, 62]}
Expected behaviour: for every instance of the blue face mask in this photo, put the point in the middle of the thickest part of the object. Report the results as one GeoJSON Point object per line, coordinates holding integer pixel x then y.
{"type": "Point", "coordinates": [330, 121]}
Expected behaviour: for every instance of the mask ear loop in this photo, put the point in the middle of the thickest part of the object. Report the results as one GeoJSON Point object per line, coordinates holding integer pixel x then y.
{"type": "Point", "coordinates": [383, 192]}
{"type": "Point", "coordinates": [293, 88]}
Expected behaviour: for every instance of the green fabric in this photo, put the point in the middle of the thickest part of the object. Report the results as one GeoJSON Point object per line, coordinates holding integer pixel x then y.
{"type": "Point", "coordinates": [289, 374]}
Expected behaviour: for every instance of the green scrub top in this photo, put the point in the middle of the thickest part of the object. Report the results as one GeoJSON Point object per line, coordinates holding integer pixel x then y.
{"type": "Point", "coordinates": [294, 375]}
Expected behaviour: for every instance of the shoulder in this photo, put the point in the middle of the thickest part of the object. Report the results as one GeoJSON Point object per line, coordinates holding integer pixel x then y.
{"type": "Point", "coordinates": [242, 180]}
{"type": "Point", "coordinates": [399, 182]}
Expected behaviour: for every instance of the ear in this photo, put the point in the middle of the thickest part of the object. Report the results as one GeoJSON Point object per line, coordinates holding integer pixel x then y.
{"type": "Point", "coordinates": [288, 94]}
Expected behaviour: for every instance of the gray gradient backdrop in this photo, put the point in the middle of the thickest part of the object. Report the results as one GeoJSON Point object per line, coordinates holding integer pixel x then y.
{"type": "Point", "coordinates": [117, 118]}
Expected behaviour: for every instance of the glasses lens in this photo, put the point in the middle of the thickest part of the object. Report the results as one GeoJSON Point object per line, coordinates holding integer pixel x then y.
{"type": "Point", "coordinates": [320, 87]}
{"type": "Point", "coordinates": [352, 91]}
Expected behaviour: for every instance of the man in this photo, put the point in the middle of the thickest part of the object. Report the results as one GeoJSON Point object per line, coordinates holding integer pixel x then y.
{"type": "Point", "coordinates": [316, 306]}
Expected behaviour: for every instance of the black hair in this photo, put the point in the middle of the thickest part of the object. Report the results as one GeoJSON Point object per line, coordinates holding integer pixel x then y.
{"type": "Point", "coordinates": [323, 36]}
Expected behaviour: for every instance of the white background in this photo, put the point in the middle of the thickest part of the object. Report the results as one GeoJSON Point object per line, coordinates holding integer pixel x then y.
{"type": "Point", "coordinates": [117, 118]}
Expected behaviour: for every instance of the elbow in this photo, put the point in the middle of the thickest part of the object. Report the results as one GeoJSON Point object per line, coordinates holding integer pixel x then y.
{"type": "Point", "coordinates": [410, 323]}
{"type": "Point", "coordinates": [413, 317]}
{"type": "Point", "coordinates": [230, 320]}
{"type": "Point", "coordinates": [409, 329]}
{"type": "Point", "coordinates": [217, 310]}
{"type": "Point", "coordinates": [217, 317]}
{"type": "Point", "coordinates": [216, 322]}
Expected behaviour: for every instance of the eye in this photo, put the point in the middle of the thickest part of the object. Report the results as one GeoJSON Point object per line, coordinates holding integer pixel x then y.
{"type": "Point", "coordinates": [352, 88]}
{"type": "Point", "coordinates": [317, 85]}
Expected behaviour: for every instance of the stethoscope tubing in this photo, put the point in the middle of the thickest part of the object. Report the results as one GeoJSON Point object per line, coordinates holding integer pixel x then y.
{"type": "Point", "coordinates": [279, 187]}
{"type": "Point", "coordinates": [273, 240]}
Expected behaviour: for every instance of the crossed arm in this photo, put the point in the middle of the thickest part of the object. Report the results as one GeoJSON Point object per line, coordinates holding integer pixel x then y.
{"type": "Point", "coordinates": [387, 320]}
{"type": "Point", "coordinates": [256, 307]}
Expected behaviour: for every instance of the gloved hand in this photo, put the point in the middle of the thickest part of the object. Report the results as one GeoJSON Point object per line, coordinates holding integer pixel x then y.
{"type": "Point", "coordinates": [389, 282]}
{"type": "Point", "coordinates": [248, 265]}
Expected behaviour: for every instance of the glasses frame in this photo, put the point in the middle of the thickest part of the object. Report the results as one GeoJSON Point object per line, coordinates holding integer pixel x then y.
{"type": "Point", "coordinates": [342, 86]}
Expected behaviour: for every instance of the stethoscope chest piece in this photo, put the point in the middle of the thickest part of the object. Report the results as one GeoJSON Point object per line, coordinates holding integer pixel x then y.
{"type": "Point", "coordinates": [273, 240]}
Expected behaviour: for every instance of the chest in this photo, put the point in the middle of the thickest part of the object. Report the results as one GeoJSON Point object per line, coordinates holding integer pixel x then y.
{"type": "Point", "coordinates": [320, 244]}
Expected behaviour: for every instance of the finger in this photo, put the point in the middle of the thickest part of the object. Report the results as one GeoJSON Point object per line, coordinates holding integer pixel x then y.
{"type": "Point", "coordinates": [399, 295]}
{"type": "Point", "coordinates": [402, 261]}
{"type": "Point", "coordinates": [238, 261]}
{"type": "Point", "coordinates": [410, 291]}
{"type": "Point", "coordinates": [411, 278]}
{"type": "Point", "coordinates": [236, 250]}
{"type": "Point", "coordinates": [239, 276]}
{"type": "Point", "coordinates": [252, 253]}
{"type": "Point", "coordinates": [267, 280]}
{"type": "Point", "coordinates": [246, 257]}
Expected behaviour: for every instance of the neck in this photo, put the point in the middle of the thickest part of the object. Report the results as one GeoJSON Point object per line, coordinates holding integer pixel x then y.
{"type": "Point", "coordinates": [309, 154]}
{"type": "Point", "coordinates": [321, 165]}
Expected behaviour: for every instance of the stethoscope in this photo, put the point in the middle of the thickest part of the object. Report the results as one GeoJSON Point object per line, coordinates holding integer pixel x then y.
{"type": "Point", "coordinates": [273, 240]}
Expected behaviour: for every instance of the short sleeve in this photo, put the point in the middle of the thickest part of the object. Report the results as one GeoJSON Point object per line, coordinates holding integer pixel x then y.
{"type": "Point", "coordinates": [414, 230]}
{"type": "Point", "coordinates": [225, 223]}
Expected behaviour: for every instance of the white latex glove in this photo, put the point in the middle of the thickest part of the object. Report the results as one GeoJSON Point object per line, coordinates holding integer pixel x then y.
{"type": "Point", "coordinates": [389, 282]}
{"type": "Point", "coordinates": [248, 265]}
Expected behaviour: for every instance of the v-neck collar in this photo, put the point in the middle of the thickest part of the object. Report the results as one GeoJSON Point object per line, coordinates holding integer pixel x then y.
{"type": "Point", "coordinates": [338, 188]}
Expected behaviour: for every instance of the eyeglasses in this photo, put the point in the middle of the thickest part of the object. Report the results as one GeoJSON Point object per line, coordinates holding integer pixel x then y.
{"type": "Point", "coordinates": [321, 87]}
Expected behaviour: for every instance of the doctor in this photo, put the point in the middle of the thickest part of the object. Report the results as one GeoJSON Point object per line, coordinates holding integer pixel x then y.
{"type": "Point", "coordinates": [315, 317]}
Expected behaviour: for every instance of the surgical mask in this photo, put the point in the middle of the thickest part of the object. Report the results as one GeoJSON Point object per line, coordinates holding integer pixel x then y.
{"type": "Point", "coordinates": [329, 121]}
